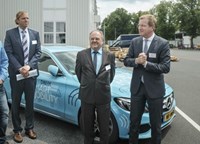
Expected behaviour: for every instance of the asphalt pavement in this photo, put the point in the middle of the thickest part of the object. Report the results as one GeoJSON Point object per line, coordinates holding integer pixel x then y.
{"type": "Point", "coordinates": [184, 78]}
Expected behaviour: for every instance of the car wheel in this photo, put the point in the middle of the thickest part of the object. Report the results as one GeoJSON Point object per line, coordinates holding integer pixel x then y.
{"type": "Point", "coordinates": [113, 129]}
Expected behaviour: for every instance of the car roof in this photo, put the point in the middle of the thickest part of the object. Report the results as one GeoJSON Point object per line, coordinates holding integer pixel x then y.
{"type": "Point", "coordinates": [54, 48]}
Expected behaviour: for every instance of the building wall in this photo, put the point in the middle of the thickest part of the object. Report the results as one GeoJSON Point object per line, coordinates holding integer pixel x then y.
{"type": "Point", "coordinates": [9, 8]}
{"type": "Point", "coordinates": [78, 22]}
{"type": "Point", "coordinates": [80, 17]}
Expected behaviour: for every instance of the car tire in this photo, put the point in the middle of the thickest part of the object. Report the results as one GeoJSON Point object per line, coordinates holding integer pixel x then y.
{"type": "Point", "coordinates": [113, 129]}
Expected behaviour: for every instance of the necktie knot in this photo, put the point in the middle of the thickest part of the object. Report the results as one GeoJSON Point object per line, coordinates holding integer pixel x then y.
{"type": "Point", "coordinates": [95, 52]}
{"type": "Point", "coordinates": [24, 32]}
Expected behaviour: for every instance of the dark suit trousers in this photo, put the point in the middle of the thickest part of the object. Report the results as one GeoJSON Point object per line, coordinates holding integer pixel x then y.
{"type": "Point", "coordinates": [26, 86]}
{"type": "Point", "coordinates": [137, 108]}
{"type": "Point", "coordinates": [88, 117]}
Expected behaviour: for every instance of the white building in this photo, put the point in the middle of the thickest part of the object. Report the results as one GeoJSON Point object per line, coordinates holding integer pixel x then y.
{"type": "Point", "coordinates": [60, 22]}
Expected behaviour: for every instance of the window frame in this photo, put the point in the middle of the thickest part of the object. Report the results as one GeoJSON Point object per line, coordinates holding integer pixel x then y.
{"type": "Point", "coordinates": [55, 33]}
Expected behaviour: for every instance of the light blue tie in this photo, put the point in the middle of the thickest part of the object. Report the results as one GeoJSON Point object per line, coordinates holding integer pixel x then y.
{"type": "Point", "coordinates": [145, 46]}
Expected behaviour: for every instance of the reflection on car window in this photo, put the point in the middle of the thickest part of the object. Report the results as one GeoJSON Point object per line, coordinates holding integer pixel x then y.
{"type": "Point", "coordinates": [125, 43]}
{"type": "Point", "coordinates": [44, 61]}
{"type": "Point", "coordinates": [68, 60]}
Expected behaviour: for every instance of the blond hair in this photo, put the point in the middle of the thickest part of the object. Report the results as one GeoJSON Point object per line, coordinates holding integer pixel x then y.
{"type": "Point", "coordinates": [151, 20]}
{"type": "Point", "coordinates": [18, 15]}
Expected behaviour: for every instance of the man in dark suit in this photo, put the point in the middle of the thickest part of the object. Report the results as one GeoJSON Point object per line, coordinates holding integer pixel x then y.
{"type": "Point", "coordinates": [149, 55]}
{"type": "Point", "coordinates": [95, 69]}
{"type": "Point", "coordinates": [23, 49]}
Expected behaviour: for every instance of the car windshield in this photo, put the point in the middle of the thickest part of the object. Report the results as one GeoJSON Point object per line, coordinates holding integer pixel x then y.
{"type": "Point", "coordinates": [68, 60]}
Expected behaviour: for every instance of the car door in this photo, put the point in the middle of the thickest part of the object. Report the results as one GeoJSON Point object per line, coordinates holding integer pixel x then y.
{"type": "Point", "coordinates": [50, 90]}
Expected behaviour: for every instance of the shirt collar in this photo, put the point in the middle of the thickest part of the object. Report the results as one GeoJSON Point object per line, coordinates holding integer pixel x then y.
{"type": "Point", "coordinates": [20, 29]}
{"type": "Point", "coordinates": [150, 38]}
{"type": "Point", "coordinates": [99, 51]}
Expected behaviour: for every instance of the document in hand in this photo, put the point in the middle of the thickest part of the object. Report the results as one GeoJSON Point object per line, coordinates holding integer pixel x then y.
{"type": "Point", "coordinates": [32, 73]}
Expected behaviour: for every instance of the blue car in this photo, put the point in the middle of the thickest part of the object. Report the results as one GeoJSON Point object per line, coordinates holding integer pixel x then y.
{"type": "Point", "coordinates": [57, 93]}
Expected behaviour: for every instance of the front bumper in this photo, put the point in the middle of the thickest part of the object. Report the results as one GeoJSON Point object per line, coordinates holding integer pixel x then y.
{"type": "Point", "coordinates": [123, 120]}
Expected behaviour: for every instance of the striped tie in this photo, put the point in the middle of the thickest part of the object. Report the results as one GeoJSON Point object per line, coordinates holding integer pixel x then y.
{"type": "Point", "coordinates": [25, 47]}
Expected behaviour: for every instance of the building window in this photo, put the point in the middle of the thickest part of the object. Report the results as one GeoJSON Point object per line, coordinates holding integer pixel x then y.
{"type": "Point", "coordinates": [54, 33]}
{"type": "Point", "coordinates": [60, 32]}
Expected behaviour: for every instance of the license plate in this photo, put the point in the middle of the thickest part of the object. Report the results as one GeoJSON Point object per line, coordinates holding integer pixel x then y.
{"type": "Point", "coordinates": [168, 115]}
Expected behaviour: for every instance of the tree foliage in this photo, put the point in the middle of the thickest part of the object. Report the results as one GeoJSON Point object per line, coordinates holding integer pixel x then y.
{"type": "Point", "coordinates": [165, 22]}
{"type": "Point", "coordinates": [184, 15]}
{"type": "Point", "coordinates": [187, 17]}
{"type": "Point", "coordinates": [118, 22]}
{"type": "Point", "coordinates": [135, 21]}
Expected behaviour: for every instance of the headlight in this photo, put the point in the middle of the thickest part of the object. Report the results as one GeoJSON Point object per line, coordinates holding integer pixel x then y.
{"type": "Point", "coordinates": [124, 103]}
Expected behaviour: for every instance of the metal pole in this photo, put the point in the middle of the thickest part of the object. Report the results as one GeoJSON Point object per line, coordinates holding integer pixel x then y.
{"type": "Point", "coordinates": [104, 31]}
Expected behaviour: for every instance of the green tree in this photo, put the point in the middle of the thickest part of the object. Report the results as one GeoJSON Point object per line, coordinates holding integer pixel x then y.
{"type": "Point", "coordinates": [165, 21]}
{"type": "Point", "coordinates": [118, 22]}
{"type": "Point", "coordinates": [135, 20]}
{"type": "Point", "coordinates": [134, 23]}
{"type": "Point", "coordinates": [187, 17]}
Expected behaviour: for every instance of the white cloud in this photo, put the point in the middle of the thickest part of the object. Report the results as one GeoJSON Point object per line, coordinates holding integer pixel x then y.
{"type": "Point", "coordinates": [105, 7]}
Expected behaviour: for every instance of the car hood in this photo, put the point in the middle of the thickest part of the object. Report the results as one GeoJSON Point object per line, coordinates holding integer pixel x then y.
{"type": "Point", "coordinates": [168, 90]}
{"type": "Point", "coordinates": [120, 87]}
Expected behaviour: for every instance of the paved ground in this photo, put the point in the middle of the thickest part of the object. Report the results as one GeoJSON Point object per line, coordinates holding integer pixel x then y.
{"type": "Point", "coordinates": [184, 77]}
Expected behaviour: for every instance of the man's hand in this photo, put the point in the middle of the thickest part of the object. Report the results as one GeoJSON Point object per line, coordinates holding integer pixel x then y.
{"type": "Point", "coordinates": [141, 59]}
{"type": "Point", "coordinates": [25, 70]}
{"type": "Point", "coordinates": [1, 81]}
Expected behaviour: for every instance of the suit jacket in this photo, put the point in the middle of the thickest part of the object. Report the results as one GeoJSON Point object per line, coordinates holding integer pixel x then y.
{"type": "Point", "coordinates": [158, 63]}
{"type": "Point", "coordinates": [95, 88]}
{"type": "Point", "coordinates": [14, 50]}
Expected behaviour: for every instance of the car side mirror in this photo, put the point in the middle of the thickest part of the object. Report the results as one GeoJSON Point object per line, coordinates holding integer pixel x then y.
{"type": "Point", "coordinates": [53, 70]}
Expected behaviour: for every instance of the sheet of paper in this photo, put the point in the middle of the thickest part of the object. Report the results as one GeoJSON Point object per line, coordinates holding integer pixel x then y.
{"type": "Point", "coordinates": [32, 73]}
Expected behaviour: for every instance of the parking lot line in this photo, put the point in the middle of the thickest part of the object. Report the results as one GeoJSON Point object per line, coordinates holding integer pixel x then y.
{"type": "Point", "coordinates": [193, 123]}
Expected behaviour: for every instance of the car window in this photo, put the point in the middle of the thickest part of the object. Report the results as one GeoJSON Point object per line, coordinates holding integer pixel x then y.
{"type": "Point", "coordinates": [125, 43]}
{"type": "Point", "coordinates": [68, 60]}
{"type": "Point", "coordinates": [115, 44]}
{"type": "Point", "coordinates": [124, 40]}
{"type": "Point", "coordinates": [44, 61]}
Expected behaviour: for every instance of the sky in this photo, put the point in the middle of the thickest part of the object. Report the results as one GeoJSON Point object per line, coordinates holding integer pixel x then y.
{"type": "Point", "coordinates": [105, 7]}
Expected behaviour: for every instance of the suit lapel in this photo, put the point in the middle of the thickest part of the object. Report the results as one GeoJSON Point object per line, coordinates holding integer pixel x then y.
{"type": "Point", "coordinates": [89, 58]}
{"type": "Point", "coordinates": [140, 44]}
{"type": "Point", "coordinates": [31, 36]}
{"type": "Point", "coordinates": [153, 45]}
{"type": "Point", "coordinates": [104, 60]}
{"type": "Point", "coordinates": [17, 35]}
